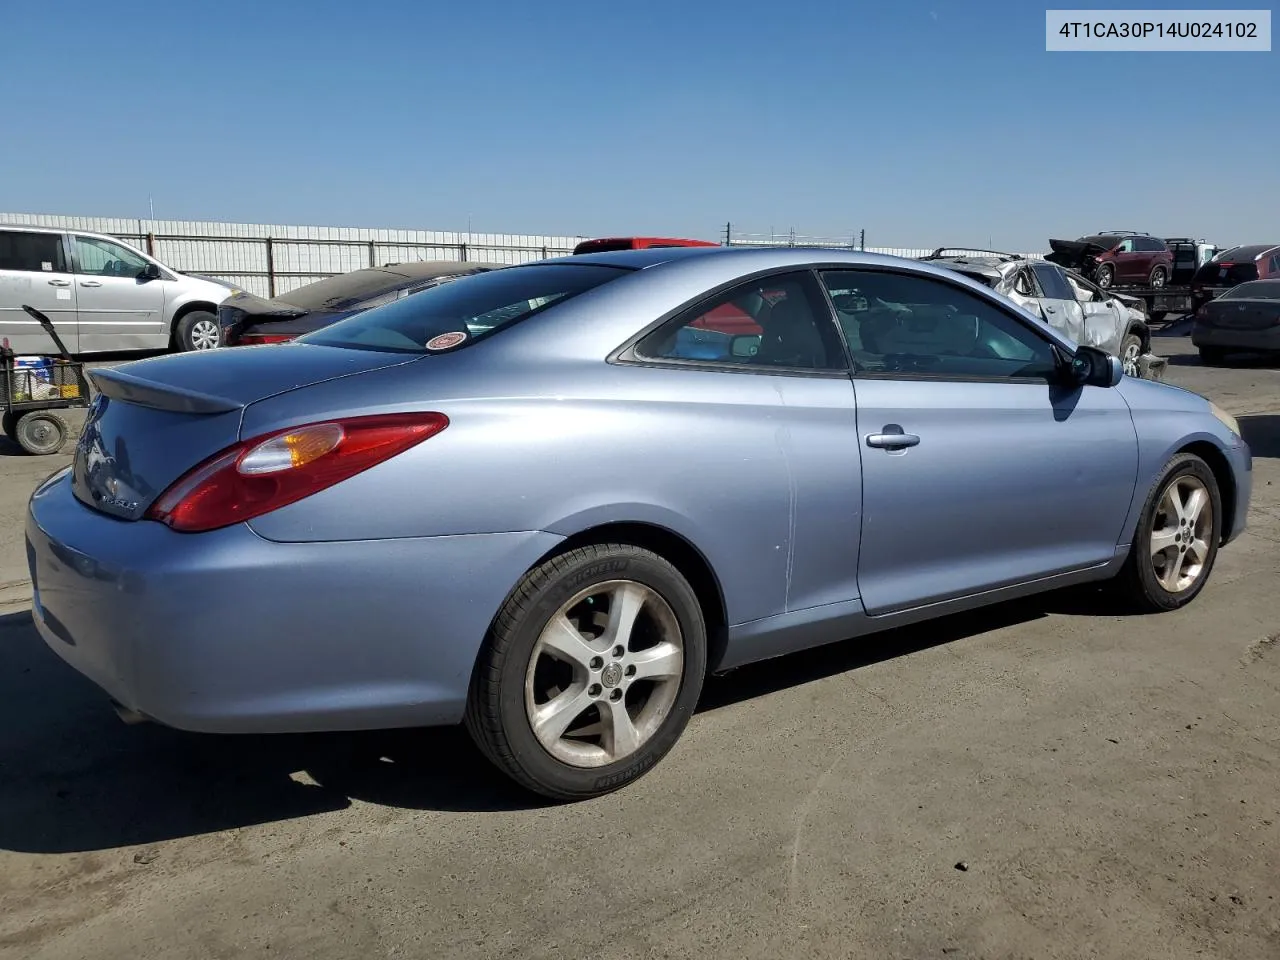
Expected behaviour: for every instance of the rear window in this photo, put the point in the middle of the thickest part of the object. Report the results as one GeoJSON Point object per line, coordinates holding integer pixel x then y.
{"type": "Point", "coordinates": [467, 309]}
{"type": "Point", "coordinates": [1105, 240]}
{"type": "Point", "coordinates": [603, 246]}
{"type": "Point", "coordinates": [1257, 290]}
{"type": "Point", "coordinates": [1227, 271]}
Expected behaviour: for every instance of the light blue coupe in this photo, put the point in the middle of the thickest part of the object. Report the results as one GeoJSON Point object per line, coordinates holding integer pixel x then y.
{"type": "Point", "coordinates": [549, 499]}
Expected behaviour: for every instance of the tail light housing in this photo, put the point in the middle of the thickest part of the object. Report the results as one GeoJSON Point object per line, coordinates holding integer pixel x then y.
{"type": "Point", "coordinates": [252, 339]}
{"type": "Point", "coordinates": [273, 470]}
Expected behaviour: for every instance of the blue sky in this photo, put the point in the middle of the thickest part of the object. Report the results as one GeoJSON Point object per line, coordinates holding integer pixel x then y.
{"type": "Point", "coordinates": [921, 122]}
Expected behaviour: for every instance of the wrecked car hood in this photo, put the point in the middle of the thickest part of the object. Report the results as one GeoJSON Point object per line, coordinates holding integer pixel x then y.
{"type": "Point", "coordinates": [1073, 254]}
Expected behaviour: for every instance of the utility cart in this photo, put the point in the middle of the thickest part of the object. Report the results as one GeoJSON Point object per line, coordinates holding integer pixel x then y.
{"type": "Point", "coordinates": [33, 389]}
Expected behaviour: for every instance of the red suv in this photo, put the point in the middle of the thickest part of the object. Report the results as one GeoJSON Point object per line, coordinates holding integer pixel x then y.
{"type": "Point", "coordinates": [1111, 259]}
{"type": "Point", "coordinates": [605, 244]}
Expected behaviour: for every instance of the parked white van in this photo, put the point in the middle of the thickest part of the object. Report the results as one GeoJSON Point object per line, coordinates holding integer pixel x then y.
{"type": "Point", "coordinates": [101, 294]}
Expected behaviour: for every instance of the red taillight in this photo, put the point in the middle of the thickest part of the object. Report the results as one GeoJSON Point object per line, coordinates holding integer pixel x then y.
{"type": "Point", "coordinates": [270, 471]}
{"type": "Point", "coordinates": [251, 339]}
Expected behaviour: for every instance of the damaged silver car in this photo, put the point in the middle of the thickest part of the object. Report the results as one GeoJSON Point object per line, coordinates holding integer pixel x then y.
{"type": "Point", "coordinates": [1066, 301]}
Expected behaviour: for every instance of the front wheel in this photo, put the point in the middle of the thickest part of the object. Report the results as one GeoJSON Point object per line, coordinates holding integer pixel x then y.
{"type": "Point", "coordinates": [198, 330]}
{"type": "Point", "coordinates": [590, 673]}
{"type": "Point", "coordinates": [1177, 538]}
{"type": "Point", "coordinates": [1130, 354]}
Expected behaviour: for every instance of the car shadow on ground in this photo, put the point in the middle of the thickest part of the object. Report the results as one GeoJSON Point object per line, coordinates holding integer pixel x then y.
{"type": "Point", "coordinates": [1262, 433]}
{"type": "Point", "coordinates": [74, 778]}
{"type": "Point", "coordinates": [1239, 361]}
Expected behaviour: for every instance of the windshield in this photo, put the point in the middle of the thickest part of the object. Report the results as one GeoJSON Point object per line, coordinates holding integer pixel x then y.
{"type": "Point", "coordinates": [1105, 240]}
{"type": "Point", "coordinates": [1254, 290]}
{"type": "Point", "coordinates": [466, 310]}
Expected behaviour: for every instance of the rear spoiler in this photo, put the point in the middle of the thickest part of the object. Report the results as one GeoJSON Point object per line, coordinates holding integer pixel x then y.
{"type": "Point", "coordinates": [145, 393]}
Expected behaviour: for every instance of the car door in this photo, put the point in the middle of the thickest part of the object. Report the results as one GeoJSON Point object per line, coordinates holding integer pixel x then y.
{"type": "Point", "coordinates": [981, 468]}
{"type": "Point", "coordinates": [119, 307]}
{"type": "Point", "coordinates": [1061, 309]}
{"type": "Point", "coordinates": [34, 271]}
{"type": "Point", "coordinates": [1127, 260]}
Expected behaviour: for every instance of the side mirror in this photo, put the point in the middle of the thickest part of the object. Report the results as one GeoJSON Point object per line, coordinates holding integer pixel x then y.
{"type": "Point", "coordinates": [1091, 367]}
{"type": "Point", "coordinates": [150, 272]}
{"type": "Point", "coordinates": [745, 345]}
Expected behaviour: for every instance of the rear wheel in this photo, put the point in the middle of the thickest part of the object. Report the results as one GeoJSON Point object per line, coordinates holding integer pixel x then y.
{"type": "Point", "coordinates": [198, 330]}
{"type": "Point", "coordinates": [1176, 542]}
{"type": "Point", "coordinates": [591, 671]}
{"type": "Point", "coordinates": [40, 432]}
{"type": "Point", "coordinates": [1213, 356]}
{"type": "Point", "coordinates": [1130, 352]}
{"type": "Point", "coordinates": [1105, 276]}
{"type": "Point", "coordinates": [1158, 315]}
{"type": "Point", "coordinates": [9, 424]}
{"type": "Point", "coordinates": [1159, 277]}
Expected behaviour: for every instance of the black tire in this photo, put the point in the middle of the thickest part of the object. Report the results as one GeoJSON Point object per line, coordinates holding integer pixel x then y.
{"type": "Point", "coordinates": [40, 432]}
{"type": "Point", "coordinates": [1159, 277]}
{"type": "Point", "coordinates": [1130, 351]}
{"type": "Point", "coordinates": [1158, 315]}
{"type": "Point", "coordinates": [1137, 581]}
{"type": "Point", "coordinates": [1104, 276]}
{"type": "Point", "coordinates": [496, 716]}
{"type": "Point", "coordinates": [1213, 356]}
{"type": "Point", "coordinates": [193, 330]}
{"type": "Point", "coordinates": [9, 425]}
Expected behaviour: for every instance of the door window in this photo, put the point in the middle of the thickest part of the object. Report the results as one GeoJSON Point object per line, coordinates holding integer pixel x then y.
{"type": "Point", "coordinates": [1053, 283]}
{"type": "Point", "coordinates": [775, 322]}
{"type": "Point", "coordinates": [1126, 246]}
{"type": "Point", "coordinates": [914, 326]}
{"type": "Point", "coordinates": [34, 252]}
{"type": "Point", "coordinates": [102, 258]}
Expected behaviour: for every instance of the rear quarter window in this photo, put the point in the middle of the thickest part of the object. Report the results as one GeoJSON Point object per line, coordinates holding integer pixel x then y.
{"type": "Point", "coordinates": [476, 307]}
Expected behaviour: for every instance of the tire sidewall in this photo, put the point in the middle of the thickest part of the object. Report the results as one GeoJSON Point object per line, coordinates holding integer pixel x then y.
{"type": "Point", "coordinates": [1185, 464]}
{"type": "Point", "coordinates": [537, 763]}
{"type": "Point", "coordinates": [1162, 273]}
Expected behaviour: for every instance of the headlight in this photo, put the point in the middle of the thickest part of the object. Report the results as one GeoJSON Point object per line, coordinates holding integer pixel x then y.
{"type": "Point", "coordinates": [1226, 419]}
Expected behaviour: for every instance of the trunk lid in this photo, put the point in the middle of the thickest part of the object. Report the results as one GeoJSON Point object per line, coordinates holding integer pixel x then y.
{"type": "Point", "coordinates": [153, 420]}
{"type": "Point", "coordinates": [1234, 314]}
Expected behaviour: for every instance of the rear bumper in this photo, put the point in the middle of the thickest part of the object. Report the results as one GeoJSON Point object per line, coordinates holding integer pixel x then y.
{"type": "Point", "coordinates": [224, 632]}
{"type": "Point", "coordinates": [1266, 339]}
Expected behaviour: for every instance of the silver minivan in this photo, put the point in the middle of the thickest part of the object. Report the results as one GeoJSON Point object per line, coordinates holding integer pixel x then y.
{"type": "Point", "coordinates": [102, 295]}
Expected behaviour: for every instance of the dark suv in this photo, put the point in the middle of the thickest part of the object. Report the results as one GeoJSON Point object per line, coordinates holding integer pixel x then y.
{"type": "Point", "coordinates": [1111, 259]}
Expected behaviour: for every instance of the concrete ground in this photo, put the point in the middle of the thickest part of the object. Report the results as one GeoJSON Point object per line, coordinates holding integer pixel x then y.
{"type": "Point", "coordinates": [1047, 779]}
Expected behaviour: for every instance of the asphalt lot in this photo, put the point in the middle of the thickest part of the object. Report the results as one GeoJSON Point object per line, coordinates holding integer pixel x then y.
{"type": "Point", "coordinates": [1046, 779]}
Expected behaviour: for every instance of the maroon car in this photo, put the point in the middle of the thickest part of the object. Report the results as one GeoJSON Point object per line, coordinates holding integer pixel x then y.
{"type": "Point", "coordinates": [1114, 259]}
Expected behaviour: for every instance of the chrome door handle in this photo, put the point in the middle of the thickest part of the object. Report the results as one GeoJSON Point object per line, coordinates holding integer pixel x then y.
{"type": "Point", "coordinates": [90, 283]}
{"type": "Point", "coordinates": [892, 441]}
{"type": "Point", "coordinates": [59, 283]}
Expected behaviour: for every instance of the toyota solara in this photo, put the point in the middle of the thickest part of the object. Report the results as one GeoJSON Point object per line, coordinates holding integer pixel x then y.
{"type": "Point", "coordinates": [547, 501]}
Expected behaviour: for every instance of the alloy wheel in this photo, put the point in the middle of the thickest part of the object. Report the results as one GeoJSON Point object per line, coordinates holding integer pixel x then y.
{"type": "Point", "coordinates": [205, 335]}
{"type": "Point", "coordinates": [1180, 534]}
{"type": "Point", "coordinates": [604, 673]}
{"type": "Point", "coordinates": [1129, 360]}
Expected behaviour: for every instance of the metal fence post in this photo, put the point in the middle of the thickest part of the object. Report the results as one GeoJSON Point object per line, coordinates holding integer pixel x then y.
{"type": "Point", "coordinates": [271, 270]}
{"type": "Point", "coordinates": [462, 252]}
{"type": "Point", "coordinates": [151, 244]}
{"type": "Point", "coordinates": [373, 253]}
